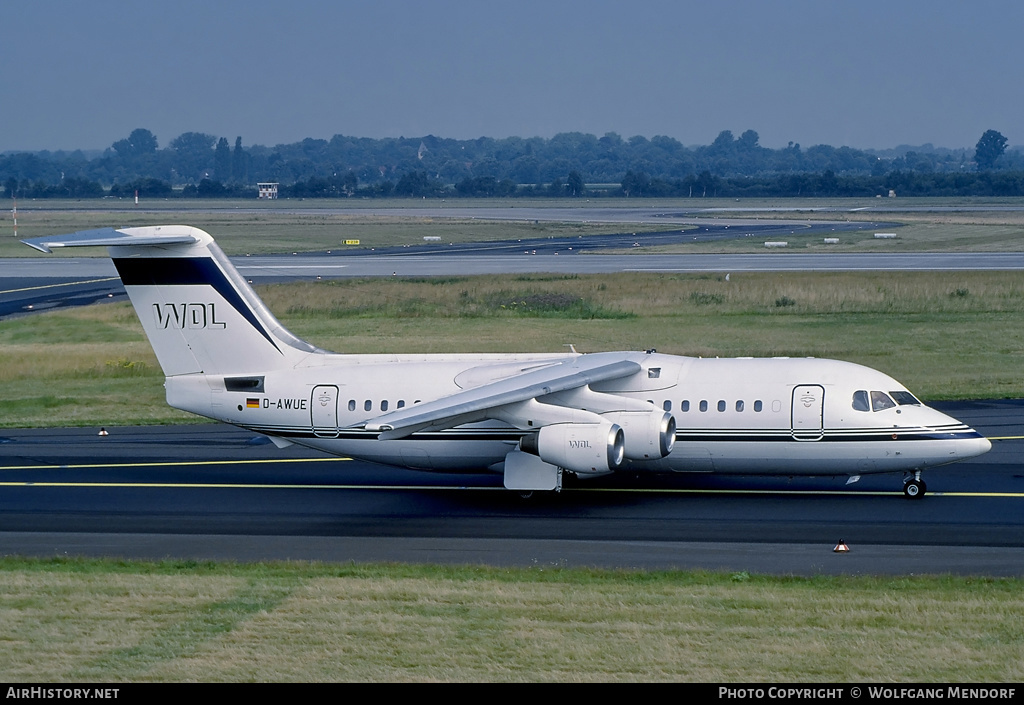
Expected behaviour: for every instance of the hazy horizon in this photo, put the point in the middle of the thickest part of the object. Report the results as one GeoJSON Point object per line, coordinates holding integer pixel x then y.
{"type": "Point", "coordinates": [163, 143]}
{"type": "Point", "coordinates": [870, 75]}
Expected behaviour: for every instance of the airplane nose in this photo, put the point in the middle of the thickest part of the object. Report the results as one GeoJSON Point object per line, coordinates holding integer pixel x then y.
{"type": "Point", "coordinates": [973, 447]}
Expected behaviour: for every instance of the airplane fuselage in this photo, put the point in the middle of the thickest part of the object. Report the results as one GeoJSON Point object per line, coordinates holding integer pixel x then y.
{"type": "Point", "coordinates": [734, 415]}
{"type": "Point", "coordinates": [530, 416]}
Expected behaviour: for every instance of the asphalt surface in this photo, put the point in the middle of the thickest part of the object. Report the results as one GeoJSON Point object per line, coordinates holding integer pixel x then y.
{"type": "Point", "coordinates": [216, 492]}
{"type": "Point", "coordinates": [40, 284]}
{"type": "Point", "coordinates": [34, 285]}
{"type": "Point", "coordinates": [227, 495]}
{"type": "Point", "coordinates": [44, 283]}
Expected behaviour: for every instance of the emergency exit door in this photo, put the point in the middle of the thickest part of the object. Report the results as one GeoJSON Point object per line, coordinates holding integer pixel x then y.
{"type": "Point", "coordinates": [808, 412]}
{"type": "Point", "coordinates": [323, 408]}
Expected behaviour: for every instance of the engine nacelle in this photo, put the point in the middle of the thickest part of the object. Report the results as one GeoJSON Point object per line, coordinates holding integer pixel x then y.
{"type": "Point", "coordinates": [650, 435]}
{"type": "Point", "coordinates": [581, 448]}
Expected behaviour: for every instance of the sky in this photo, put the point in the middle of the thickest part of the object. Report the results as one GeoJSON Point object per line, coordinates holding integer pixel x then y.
{"type": "Point", "coordinates": [865, 74]}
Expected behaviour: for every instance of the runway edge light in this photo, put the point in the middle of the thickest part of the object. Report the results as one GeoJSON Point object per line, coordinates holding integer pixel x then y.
{"type": "Point", "coordinates": [841, 547]}
{"type": "Point", "coordinates": [103, 432]}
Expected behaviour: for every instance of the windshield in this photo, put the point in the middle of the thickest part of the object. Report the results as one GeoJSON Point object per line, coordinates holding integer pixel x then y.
{"type": "Point", "coordinates": [880, 401]}
{"type": "Point", "coordinates": [863, 400]}
{"type": "Point", "coordinates": [903, 398]}
{"type": "Point", "coordinates": [860, 400]}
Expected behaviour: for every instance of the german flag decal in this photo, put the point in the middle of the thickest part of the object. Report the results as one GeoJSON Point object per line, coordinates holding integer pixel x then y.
{"type": "Point", "coordinates": [251, 403]}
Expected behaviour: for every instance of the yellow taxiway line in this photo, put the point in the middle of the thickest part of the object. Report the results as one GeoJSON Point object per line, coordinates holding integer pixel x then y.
{"type": "Point", "coordinates": [177, 463]}
{"type": "Point", "coordinates": [449, 488]}
{"type": "Point", "coordinates": [202, 485]}
{"type": "Point", "coordinates": [53, 286]}
{"type": "Point", "coordinates": [230, 486]}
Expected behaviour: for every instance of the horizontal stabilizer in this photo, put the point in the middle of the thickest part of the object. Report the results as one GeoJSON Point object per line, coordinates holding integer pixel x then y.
{"type": "Point", "coordinates": [109, 236]}
{"type": "Point", "coordinates": [200, 315]}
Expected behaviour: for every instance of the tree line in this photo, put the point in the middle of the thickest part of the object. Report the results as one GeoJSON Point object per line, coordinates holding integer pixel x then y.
{"type": "Point", "coordinates": [569, 164]}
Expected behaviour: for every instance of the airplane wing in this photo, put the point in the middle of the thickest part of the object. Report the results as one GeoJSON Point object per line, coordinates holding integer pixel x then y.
{"type": "Point", "coordinates": [475, 404]}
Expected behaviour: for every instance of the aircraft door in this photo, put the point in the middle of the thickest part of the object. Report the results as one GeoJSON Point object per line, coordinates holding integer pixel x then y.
{"type": "Point", "coordinates": [323, 409]}
{"type": "Point", "coordinates": [808, 409]}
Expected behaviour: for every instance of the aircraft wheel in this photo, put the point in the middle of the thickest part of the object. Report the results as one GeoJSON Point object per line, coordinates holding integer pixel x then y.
{"type": "Point", "coordinates": [915, 489]}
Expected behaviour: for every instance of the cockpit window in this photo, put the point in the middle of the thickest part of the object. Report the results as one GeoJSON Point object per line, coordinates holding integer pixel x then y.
{"type": "Point", "coordinates": [903, 398]}
{"type": "Point", "coordinates": [880, 401]}
{"type": "Point", "coordinates": [860, 401]}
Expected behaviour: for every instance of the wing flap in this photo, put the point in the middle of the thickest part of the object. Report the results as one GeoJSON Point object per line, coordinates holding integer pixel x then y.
{"type": "Point", "coordinates": [473, 404]}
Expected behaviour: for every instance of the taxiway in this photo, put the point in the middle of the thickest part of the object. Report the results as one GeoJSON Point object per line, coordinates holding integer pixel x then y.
{"type": "Point", "coordinates": [228, 495]}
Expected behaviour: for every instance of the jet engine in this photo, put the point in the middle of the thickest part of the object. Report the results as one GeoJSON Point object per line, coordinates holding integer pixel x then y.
{"type": "Point", "coordinates": [581, 448]}
{"type": "Point", "coordinates": [650, 435]}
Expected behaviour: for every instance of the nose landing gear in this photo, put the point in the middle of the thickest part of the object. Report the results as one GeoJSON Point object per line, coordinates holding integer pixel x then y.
{"type": "Point", "coordinates": [915, 488]}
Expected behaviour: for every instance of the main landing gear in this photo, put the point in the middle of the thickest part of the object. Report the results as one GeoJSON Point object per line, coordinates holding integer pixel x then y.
{"type": "Point", "coordinates": [915, 488]}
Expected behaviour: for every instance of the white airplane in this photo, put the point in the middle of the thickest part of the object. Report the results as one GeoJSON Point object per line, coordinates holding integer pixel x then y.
{"type": "Point", "coordinates": [532, 417]}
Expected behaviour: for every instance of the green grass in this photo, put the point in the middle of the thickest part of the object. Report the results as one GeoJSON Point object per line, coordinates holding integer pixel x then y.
{"type": "Point", "coordinates": [249, 227]}
{"type": "Point", "coordinates": [562, 297]}
{"type": "Point", "coordinates": [950, 335]}
{"type": "Point", "coordinates": [104, 620]}
{"type": "Point", "coordinates": [945, 335]}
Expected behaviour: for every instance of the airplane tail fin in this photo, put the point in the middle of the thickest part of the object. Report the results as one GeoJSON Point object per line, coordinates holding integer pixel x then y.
{"type": "Point", "coordinates": [199, 313]}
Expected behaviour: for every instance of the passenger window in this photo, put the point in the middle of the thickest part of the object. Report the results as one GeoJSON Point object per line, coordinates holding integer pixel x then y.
{"type": "Point", "coordinates": [401, 403]}
{"type": "Point", "coordinates": [703, 405]}
{"type": "Point", "coordinates": [860, 401]}
{"type": "Point", "coordinates": [367, 405]}
{"type": "Point", "coordinates": [384, 405]}
{"type": "Point", "coordinates": [351, 404]}
{"type": "Point", "coordinates": [721, 404]}
{"type": "Point", "coordinates": [739, 406]}
{"type": "Point", "coordinates": [685, 405]}
{"type": "Point", "coordinates": [881, 401]}
{"type": "Point", "coordinates": [667, 405]}
{"type": "Point", "coordinates": [758, 405]}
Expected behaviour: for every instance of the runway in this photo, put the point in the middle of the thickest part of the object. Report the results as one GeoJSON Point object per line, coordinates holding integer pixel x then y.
{"type": "Point", "coordinates": [28, 285]}
{"type": "Point", "coordinates": [227, 495]}
{"type": "Point", "coordinates": [37, 284]}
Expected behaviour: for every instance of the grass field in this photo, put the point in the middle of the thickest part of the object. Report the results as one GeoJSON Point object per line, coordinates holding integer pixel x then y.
{"type": "Point", "coordinates": [110, 621]}
{"type": "Point", "coordinates": [248, 227]}
{"type": "Point", "coordinates": [944, 335]}
{"type": "Point", "coordinates": [950, 335]}
{"type": "Point", "coordinates": [314, 225]}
